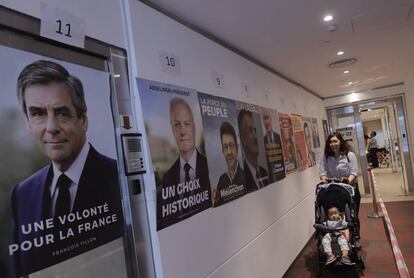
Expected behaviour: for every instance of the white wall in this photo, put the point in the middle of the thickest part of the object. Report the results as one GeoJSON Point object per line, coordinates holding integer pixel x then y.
{"type": "Point", "coordinates": [260, 234]}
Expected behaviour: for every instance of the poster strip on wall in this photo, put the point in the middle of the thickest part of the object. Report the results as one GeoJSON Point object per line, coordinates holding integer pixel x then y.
{"type": "Point", "coordinates": [222, 146]}
{"type": "Point", "coordinates": [254, 164]}
{"type": "Point", "coordinates": [325, 129]}
{"type": "Point", "coordinates": [315, 134]}
{"type": "Point", "coordinates": [301, 155]}
{"type": "Point", "coordinates": [174, 129]}
{"type": "Point", "coordinates": [288, 143]}
{"type": "Point", "coordinates": [55, 131]}
{"type": "Point", "coordinates": [273, 145]}
{"type": "Point", "coordinates": [307, 125]}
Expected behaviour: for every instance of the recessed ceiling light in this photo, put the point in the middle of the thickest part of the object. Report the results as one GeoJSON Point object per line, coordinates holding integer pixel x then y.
{"type": "Point", "coordinates": [347, 71]}
{"type": "Point", "coordinates": [350, 83]}
{"type": "Point", "coordinates": [328, 18]}
{"type": "Point", "coordinates": [340, 53]}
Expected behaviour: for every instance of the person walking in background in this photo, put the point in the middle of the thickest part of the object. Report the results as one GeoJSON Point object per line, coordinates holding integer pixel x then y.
{"type": "Point", "coordinates": [373, 148]}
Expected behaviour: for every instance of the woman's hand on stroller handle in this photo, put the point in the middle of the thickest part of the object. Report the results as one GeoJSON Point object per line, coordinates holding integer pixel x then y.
{"type": "Point", "coordinates": [325, 179]}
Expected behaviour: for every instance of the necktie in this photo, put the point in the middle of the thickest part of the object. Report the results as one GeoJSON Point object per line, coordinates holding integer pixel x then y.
{"type": "Point", "coordinates": [270, 138]}
{"type": "Point", "coordinates": [62, 205]}
{"type": "Point", "coordinates": [187, 168]}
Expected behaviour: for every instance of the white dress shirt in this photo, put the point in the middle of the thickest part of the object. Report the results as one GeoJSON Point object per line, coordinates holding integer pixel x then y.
{"type": "Point", "coordinates": [74, 173]}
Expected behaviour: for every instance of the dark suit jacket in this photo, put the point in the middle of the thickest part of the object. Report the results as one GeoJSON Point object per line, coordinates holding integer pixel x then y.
{"type": "Point", "coordinates": [250, 182]}
{"type": "Point", "coordinates": [225, 182]}
{"type": "Point", "coordinates": [31, 202]}
{"type": "Point", "coordinates": [276, 172]}
{"type": "Point", "coordinates": [172, 178]}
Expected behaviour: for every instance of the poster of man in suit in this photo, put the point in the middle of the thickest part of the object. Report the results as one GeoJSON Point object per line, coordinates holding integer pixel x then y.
{"type": "Point", "coordinates": [251, 134]}
{"type": "Point", "coordinates": [288, 143]}
{"type": "Point", "coordinates": [65, 192]}
{"type": "Point", "coordinates": [307, 131]}
{"type": "Point", "coordinates": [300, 144]}
{"type": "Point", "coordinates": [223, 147]}
{"type": "Point", "coordinates": [175, 135]}
{"type": "Point", "coordinates": [315, 133]}
{"type": "Point", "coordinates": [273, 145]}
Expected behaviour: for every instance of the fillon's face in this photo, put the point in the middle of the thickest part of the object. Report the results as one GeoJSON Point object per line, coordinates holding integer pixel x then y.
{"type": "Point", "coordinates": [52, 119]}
{"type": "Point", "coordinates": [229, 149]}
{"type": "Point", "coordinates": [333, 214]}
{"type": "Point", "coordinates": [267, 120]}
{"type": "Point", "coordinates": [183, 128]}
{"type": "Point", "coordinates": [249, 136]}
{"type": "Point", "coordinates": [335, 144]}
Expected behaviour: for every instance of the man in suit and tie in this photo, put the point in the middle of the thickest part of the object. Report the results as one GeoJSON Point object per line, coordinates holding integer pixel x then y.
{"type": "Point", "coordinates": [256, 176]}
{"type": "Point", "coordinates": [231, 183]}
{"type": "Point", "coordinates": [273, 147]}
{"type": "Point", "coordinates": [187, 179]}
{"type": "Point", "coordinates": [79, 184]}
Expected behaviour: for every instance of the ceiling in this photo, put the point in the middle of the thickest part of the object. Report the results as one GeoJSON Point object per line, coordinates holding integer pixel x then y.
{"type": "Point", "coordinates": [290, 37]}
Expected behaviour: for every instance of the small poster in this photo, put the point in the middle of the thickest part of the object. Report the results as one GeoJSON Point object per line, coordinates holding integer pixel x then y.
{"type": "Point", "coordinates": [307, 130]}
{"type": "Point", "coordinates": [175, 135]}
{"type": "Point", "coordinates": [325, 129]}
{"type": "Point", "coordinates": [273, 145]}
{"type": "Point", "coordinates": [223, 147]}
{"type": "Point", "coordinates": [288, 143]}
{"type": "Point", "coordinates": [315, 133]}
{"type": "Point", "coordinates": [254, 164]}
{"type": "Point", "coordinates": [300, 144]}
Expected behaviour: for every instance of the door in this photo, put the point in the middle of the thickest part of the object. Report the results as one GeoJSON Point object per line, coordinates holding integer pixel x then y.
{"type": "Point", "coordinates": [345, 120]}
{"type": "Point", "coordinates": [386, 117]}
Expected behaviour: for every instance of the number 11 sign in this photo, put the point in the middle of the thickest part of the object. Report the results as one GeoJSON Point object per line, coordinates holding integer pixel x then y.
{"type": "Point", "coordinates": [62, 26]}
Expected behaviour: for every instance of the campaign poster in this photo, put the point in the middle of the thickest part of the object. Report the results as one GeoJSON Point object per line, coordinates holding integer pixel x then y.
{"type": "Point", "coordinates": [60, 192]}
{"type": "Point", "coordinates": [288, 143]}
{"type": "Point", "coordinates": [301, 155]}
{"type": "Point", "coordinates": [315, 133]}
{"type": "Point", "coordinates": [252, 145]}
{"type": "Point", "coordinates": [222, 146]}
{"type": "Point", "coordinates": [174, 129]}
{"type": "Point", "coordinates": [273, 145]}
{"type": "Point", "coordinates": [317, 147]}
{"type": "Point", "coordinates": [307, 131]}
{"type": "Point", "coordinates": [325, 129]}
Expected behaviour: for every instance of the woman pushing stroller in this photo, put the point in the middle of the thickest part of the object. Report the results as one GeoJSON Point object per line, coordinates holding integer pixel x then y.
{"type": "Point", "coordinates": [340, 163]}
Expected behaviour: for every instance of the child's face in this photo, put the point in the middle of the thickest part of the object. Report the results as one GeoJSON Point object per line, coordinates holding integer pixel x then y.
{"type": "Point", "coordinates": [333, 214]}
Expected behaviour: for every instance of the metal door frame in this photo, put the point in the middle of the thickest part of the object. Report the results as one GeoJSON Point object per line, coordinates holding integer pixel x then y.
{"type": "Point", "coordinates": [398, 102]}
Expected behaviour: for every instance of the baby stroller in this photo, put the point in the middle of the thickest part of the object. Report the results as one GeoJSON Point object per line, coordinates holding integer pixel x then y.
{"type": "Point", "coordinates": [339, 195]}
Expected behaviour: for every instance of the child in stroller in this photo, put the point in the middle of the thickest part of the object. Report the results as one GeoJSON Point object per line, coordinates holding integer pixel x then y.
{"type": "Point", "coordinates": [336, 220]}
{"type": "Point", "coordinates": [332, 198]}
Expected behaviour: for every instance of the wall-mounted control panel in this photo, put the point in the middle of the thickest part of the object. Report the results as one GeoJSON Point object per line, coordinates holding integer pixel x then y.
{"type": "Point", "coordinates": [133, 153]}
